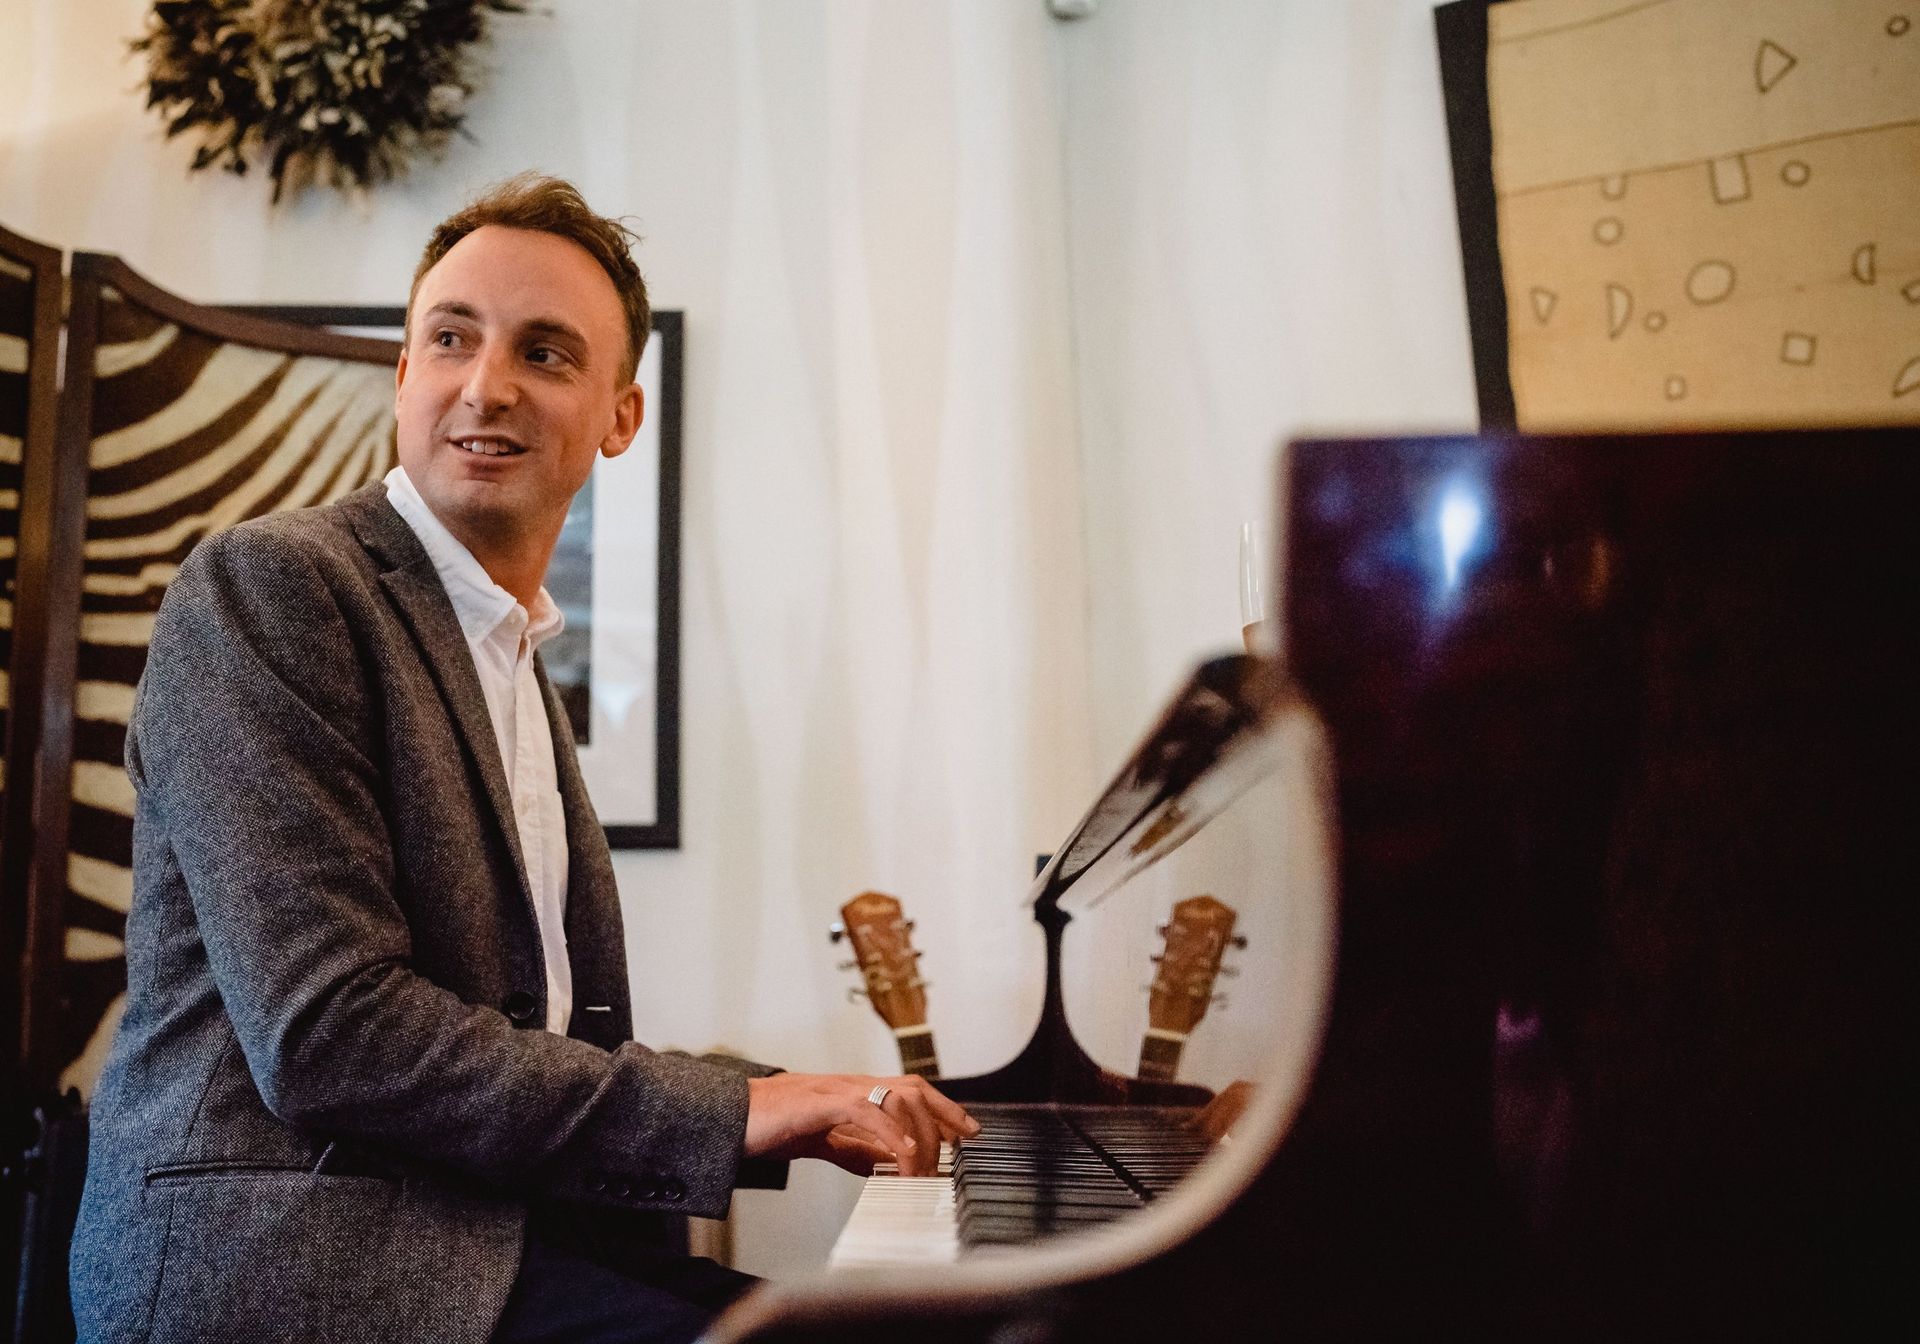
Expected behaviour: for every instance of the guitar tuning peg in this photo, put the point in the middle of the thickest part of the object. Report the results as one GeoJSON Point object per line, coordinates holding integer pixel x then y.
{"type": "Point", "coordinates": [1238, 940]}
{"type": "Point", "coordinates": [918, 983]}
{"type": "Point", "coordinates": [1219, 1000]}
{"type": "Point", "coordinates": [836, 931]}
{"type": "Point", "coordinates": [1160, 929]}
{"type": "Point", "coordinates": [1157, 958]}
{"type": "Point", "coordinates": [849, 966]}
{"type": "Point", "coordinates": [1229, 970]}
{"type": "Point", "coordinates": [853, 994]}
{"type": "Point", "coordinates": [910, 926]}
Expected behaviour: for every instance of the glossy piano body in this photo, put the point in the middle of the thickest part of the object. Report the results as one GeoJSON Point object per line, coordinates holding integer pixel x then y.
{"type": "Point", "coordinates": [1619, 1043]}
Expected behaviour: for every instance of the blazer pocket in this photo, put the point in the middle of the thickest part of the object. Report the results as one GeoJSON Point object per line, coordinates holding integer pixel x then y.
{"type": "Point", "coordinates": [216, 1168]}
{"type": "Point", "coordinates": [240, 1169]}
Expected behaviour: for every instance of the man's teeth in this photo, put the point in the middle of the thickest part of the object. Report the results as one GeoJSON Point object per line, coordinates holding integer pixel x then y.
{"type": "Point", "coordinates": [486, 447]}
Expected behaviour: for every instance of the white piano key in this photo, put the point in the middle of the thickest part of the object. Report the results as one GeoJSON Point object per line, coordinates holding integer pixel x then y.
{"type": "Point", "coordinates": [900, 1220]}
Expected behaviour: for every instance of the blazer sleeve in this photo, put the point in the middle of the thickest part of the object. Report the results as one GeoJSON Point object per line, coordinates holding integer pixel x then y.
{"type": "Point", "coordinates": [255, 751]}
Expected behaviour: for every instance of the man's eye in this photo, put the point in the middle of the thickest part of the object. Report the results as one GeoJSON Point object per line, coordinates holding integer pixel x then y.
{"type": "Point", "coordinates": [544, 354]}
{"type": "Point", "coordinates": [445, 339]}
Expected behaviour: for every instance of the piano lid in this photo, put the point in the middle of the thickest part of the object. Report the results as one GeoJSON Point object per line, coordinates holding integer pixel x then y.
{"type": "Point", "coordinates": [1215, 740]}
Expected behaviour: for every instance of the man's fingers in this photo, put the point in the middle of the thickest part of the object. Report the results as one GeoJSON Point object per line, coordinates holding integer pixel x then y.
{"type": "Point", "coordinates": [952, 1121]}
{"type": "Point", "coordinates": [792, 1114]}
{"type": "Point", "coordinates": [851, 1138]}
{"type": "Point", "coordinates": [883, 1127]}
{"type": "Point", "coordinates": [852, 1149]}
{"type": "Point", "coordinates": [919, 1098]}
{"type": "Point", "coordinates": [918, 1158]}
{"type": "Point", "coordinates": [913, 1158]}
{"type": "Point", "coordinates": [920, 1120]}
{"type": "Point", "coordinates": [930, 1116]}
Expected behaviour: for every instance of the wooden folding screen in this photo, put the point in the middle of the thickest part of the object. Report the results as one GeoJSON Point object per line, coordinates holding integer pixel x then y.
{"type": "Point", "coordinates": [176, 421]}
{"type": "Point", "coordinates": [30, 303]}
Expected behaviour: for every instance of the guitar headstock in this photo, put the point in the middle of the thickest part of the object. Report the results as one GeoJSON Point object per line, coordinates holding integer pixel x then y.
{"type": "Point", "coordinates": [1198, 932]}
{"type": "Point", "coordinates": [883, 951]}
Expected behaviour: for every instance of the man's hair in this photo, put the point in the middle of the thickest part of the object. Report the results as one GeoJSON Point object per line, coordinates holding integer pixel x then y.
{"type": "Point", "coordinates": [548, 205]}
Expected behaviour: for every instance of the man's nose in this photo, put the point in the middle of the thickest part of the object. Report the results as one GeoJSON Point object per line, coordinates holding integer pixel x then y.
{"type": "Point", "coordinates": [492, 383]}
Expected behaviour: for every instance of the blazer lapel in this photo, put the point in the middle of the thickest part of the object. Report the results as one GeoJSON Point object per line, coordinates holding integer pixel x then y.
{"type": "Point", "coordinates": [409, 577]}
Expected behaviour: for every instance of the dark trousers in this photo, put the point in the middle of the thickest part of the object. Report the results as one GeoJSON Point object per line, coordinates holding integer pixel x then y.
{"type": "Point", "coordinates": [565, 1294]}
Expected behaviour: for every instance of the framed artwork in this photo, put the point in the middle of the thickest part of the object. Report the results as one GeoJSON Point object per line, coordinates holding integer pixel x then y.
{"type": "Point", "coordinates": [1688, 213]}
{"type": "Point", "coordinates": [616, 577]}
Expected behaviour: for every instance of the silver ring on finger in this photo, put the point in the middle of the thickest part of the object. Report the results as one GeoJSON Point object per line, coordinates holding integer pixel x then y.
{"type": "Point", "coordinates": [879, 1094]}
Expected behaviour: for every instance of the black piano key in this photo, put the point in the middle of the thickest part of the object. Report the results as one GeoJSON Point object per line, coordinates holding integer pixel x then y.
{"type": "Point", "coordinates": [1115, 1195]}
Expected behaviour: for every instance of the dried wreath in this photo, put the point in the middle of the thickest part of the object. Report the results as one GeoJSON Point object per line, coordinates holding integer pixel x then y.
{"type": "Point", "coordinates": [341, 91]}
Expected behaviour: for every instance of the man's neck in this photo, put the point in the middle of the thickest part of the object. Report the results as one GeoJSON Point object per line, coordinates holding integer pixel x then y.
{"type": "Point", "coordinates": [517, 562]}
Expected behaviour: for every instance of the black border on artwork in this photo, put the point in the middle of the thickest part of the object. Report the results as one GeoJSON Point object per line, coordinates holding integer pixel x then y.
{"type": "Point", "coordinates": [663, 832]}
{"type": "Point", "coordinates": [1460, 29]}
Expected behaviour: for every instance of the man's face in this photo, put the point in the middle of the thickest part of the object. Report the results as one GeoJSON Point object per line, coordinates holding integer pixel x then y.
{"type": "Point", "coordinates": [511, 384]}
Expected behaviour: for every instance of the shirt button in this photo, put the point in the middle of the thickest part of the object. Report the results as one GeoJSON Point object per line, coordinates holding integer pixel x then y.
{"type": "Point", "coordinates": [520, 1006]}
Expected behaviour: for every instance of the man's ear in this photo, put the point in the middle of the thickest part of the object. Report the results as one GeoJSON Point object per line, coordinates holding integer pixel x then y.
{"type": "Point", "coordinates": [399, 375]}
{"type": "Point", "coordinates": [629, 410]}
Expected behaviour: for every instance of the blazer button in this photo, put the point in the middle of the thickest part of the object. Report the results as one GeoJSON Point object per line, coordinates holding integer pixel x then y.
{"type": "Point", "coordinates": [623, 1191]}
{"type": "Point", "coordinates": [520, 1006]}
{"type": "Point", "coordinates": [673, 1189]}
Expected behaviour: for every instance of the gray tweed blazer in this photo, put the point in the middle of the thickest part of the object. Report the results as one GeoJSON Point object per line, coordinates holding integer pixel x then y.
{"type": "Point", "coordinates": [331, 1105]}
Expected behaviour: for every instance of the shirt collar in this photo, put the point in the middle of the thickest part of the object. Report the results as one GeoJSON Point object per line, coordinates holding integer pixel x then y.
{"type": "Point", "coordinates": [481, 605]}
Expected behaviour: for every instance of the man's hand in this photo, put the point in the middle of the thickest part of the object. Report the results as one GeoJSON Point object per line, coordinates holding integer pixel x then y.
{"type": "Point", "coordinates": [1220, 1115]}
{"type": "Point", "coordinates": [828, 1116]}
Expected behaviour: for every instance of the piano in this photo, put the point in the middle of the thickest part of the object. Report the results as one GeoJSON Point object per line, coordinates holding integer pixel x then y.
{"type": "Point", "coordinates": [1572, 835]}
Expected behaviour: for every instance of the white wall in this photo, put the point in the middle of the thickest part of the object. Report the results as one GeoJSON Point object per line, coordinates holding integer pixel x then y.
{"type": "Point", "coordinates": [1262, 243]}
{"type": "Point", "coordinates": [993, 324]}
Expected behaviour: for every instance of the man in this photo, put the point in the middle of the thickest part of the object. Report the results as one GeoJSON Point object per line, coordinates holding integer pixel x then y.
{"type": "Point", "coordinates": [375, 1079]}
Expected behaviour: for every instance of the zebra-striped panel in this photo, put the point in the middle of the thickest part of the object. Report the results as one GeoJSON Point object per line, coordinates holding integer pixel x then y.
{"type": "Point", "coordinates": [190, 434]}
{"type": "Point", "coordinates": [16, 332]}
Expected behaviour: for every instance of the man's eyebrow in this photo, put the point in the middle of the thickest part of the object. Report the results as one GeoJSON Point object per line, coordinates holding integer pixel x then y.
{"type": "Point", "coordinates": [451, 308]}
{"type": "Point", "coordinates": [553, 326]}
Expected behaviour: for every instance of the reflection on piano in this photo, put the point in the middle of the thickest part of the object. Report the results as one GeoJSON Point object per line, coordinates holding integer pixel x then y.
{"type": "Point", "coordinates": [1616, 1043]}
{"type": "Point", "coordinates": [1198, 934]}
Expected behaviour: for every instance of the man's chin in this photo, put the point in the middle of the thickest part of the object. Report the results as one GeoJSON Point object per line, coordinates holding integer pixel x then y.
{"type": "Point", "coordinates": [484, 508]}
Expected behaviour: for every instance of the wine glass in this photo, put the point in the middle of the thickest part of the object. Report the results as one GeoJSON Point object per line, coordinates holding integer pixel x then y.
{"type": "Point", "coordinates": [1257, 624]}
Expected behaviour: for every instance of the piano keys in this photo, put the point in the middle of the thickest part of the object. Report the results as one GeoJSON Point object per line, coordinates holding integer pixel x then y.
{"type": "Point", "coordinates": [1033, 1171]}
{"type": "Point", "coordinates": [900, 1220]}
{"type": "Point", "coordinates": [1615, 1044]}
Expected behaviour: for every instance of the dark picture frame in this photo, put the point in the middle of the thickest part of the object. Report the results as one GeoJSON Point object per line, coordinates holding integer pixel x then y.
{"type": "Point", "coordinates": [1460, 29]}
{"type": "Point", "coordinates": [615, 661]}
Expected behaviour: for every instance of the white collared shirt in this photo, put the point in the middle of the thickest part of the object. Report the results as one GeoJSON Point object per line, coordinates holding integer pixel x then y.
{"type": "Point", "coordinates": [502, 636]}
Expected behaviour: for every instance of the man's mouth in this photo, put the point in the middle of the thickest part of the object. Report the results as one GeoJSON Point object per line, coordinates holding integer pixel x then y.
{"type": "Point", "coordinates": [488, 445]}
